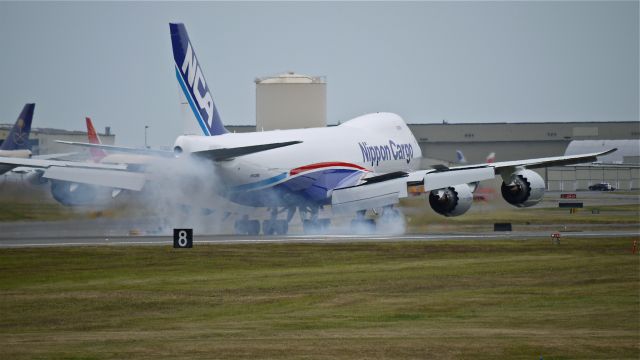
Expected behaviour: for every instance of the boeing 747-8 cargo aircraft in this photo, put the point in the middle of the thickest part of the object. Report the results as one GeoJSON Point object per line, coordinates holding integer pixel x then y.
{"type": "Point", "coordinates": [368, 162]}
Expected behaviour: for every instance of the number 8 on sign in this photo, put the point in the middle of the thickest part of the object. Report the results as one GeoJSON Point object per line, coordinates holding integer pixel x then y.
{"type": "Point", "coordinates": [182, 238]}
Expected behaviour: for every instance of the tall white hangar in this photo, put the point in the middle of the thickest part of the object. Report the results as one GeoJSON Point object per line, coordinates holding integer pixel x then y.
{"type": "Point", "coordinates": [291, 101]}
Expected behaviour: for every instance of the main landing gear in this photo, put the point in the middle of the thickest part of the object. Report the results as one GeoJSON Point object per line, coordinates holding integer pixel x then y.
{"type": "Point", "coordinates": [311, 224]}
{"type": "Point", "coordinates": [245, 226]}
{"type": "Point", "coordinates": [390, 221]}
{"type": "Point", "coordinates": [361, 225]}
{"type": "Point", "coordinates": [272, 226]}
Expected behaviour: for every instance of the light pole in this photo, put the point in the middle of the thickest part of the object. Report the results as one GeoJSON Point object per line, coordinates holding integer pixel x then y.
{"type": "Point", "coordinates": [145, 136]}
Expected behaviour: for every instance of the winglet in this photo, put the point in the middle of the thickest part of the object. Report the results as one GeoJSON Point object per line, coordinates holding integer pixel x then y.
{"type": "Point", "coordinates": [608, 152]}
{"type": "Point", "coordinates": [18, 138]}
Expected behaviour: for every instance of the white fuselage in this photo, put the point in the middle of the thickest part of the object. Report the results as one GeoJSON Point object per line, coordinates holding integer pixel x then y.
{"type": "Point", "coordinates": [371, 144]}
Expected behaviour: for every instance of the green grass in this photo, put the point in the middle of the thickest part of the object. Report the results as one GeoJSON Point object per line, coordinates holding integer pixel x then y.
{"type": "Point", "coordinates": [487, 214]}
{"type": "Point", "coordinates": [455, 299]}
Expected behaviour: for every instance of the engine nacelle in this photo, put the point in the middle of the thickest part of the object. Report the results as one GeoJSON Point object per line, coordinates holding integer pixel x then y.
{"type": "Point", "coordinates": [526, 189]}
{"type": "Point", "coordinates": [70, 194]}
{"type": "Point", "coordinates": [451, 201]}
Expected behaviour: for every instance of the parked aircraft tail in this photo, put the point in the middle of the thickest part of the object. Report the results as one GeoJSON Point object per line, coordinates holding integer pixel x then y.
{"type": "Point", "coordinates": [193, 85]}
{"type": "Point", "coordinates": [460, 159]}
{"type": "Point", "coordinates": [491, 158]}
{"type": "Point", "coordinates": [18, 138]}
{"type": "Point", "coordinates": [96, 153]}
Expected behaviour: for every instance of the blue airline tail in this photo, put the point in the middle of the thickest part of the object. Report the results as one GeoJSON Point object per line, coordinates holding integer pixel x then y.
{"type": "Point", "coordinates": [192, 82]}
{"type": "Point", "coordinates": [18, 138]}
{"type": "Point", "coordinates": [460, 159]}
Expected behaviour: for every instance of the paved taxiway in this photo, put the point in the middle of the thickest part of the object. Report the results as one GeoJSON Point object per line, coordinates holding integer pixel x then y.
{"type": "Point", "coordinates": [232, 239]}
{"type": "Point", "coordinates": [106, 231]}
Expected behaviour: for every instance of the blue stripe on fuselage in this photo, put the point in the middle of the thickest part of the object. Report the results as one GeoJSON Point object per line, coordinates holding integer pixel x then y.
{"type": "Point", "coordinates": [259, 184]}
{"type": "Point", "coordinates": [196, 113]}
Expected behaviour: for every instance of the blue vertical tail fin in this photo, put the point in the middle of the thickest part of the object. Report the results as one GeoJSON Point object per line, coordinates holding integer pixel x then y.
{"type": "Point", "coordinates": [18, 138]}
{"type": "Point", "coordinates": [193, 84]}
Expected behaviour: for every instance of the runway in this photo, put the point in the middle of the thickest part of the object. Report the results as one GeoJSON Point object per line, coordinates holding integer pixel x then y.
{"type": "Point", "coordinates": [233, 239]}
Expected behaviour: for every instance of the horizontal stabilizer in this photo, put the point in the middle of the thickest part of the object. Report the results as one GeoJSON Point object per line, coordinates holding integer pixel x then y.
{"type": "Point", "coordinates": [42, 163]}
{"type": "Point", "coordinates": [54, 156]}
{"type": "Point", "coordinates": [121, 149]}
{"type": "Point", "coordinates": [230, 153]}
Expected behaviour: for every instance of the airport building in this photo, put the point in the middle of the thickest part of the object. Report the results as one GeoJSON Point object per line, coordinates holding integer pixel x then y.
{"type": "Point", "coordinates": [512, 141]}
{"type": "Point", "coordinates": [43, 140]}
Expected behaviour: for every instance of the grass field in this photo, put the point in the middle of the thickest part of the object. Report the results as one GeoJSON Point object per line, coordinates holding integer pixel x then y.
{"type": "Point", "coordinates": [454, 299]}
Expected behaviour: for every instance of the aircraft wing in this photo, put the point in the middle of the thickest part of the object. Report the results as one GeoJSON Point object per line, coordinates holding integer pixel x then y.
{"type": "Point", "coordinates": [387, 189]}
{"type": "Point", "coordinates": [230, 153]}
{"type": "Point", "coordinates": [110, 175]}
{"type": "Point", "coordinates": [550, 161]}
{"type": "Point", "coordinates": [213, 154]}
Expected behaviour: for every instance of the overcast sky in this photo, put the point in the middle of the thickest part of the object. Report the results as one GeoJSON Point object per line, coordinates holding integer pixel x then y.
{"type": "Point", "coordinates": [426, 61]}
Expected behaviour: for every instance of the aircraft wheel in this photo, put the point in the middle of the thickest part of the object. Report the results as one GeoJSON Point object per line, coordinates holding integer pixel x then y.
{"type": "Point", "coordinates": [275, 227]}
{"type": "Point", "coordinates": [320, 226]}
{"type": "Point", "coordinates": [281, 227]}
{"type": "Point", "coordinates": [309, 227]}
{"type": "Point", "coordinates": [364, 226]}
{"type": "Point", "coordinates": [247, 227]}
{"type": "Point", "coordinates": [254, 227]}
{"type": "Point", "coordinates": [241, 227]}
{"type": "Point", "coordinates": [324, 225]}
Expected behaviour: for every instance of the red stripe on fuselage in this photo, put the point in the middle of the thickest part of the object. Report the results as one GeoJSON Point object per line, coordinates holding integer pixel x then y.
{"type": "Point", "coordinates": [324, 165]}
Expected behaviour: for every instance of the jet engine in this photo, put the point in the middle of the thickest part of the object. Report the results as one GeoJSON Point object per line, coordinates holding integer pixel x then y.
{"type": "Point", "coordinates": [35, 178]}
{"type": "Point", "coordinates": [70, 194]}
{"type": "Point", "coordinates": [451, 201]}
{"type": "Point", "coordinates": [526, 189]}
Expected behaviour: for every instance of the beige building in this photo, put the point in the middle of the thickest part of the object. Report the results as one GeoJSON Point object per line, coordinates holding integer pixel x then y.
{"type": "Point", "coordinates": [290, 101]}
